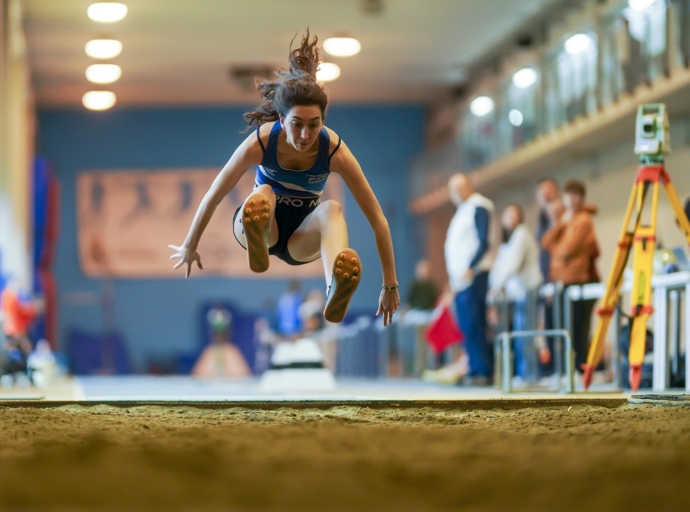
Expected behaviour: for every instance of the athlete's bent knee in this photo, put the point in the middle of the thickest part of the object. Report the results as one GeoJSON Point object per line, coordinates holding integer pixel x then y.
{"type": "Point", "coordinates": [331, 208]}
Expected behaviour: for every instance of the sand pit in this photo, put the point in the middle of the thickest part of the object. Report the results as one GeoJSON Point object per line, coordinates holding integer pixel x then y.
{"type": "Point", "coordinates": [346, 458]}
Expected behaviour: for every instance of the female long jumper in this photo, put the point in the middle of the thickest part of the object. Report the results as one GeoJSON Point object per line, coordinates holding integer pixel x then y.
{"type": "Point", "coordinates": [295, 153]}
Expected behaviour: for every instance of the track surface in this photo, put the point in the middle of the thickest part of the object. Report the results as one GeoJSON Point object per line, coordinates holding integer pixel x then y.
{"type": "Point", "coordinates": [155, 457]}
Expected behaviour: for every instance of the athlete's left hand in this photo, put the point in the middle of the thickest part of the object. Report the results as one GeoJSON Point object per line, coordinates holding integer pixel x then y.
{"type": "Point", "coordinates": [388, 304]}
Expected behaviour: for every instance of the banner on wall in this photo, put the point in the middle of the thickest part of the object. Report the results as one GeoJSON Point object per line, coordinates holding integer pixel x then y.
{"type": "Point", "coordinates": [127, 219]}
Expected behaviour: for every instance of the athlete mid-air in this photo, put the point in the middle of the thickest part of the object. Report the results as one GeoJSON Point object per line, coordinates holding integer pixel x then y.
{"type": "Point", "coordinates": [295, 153]}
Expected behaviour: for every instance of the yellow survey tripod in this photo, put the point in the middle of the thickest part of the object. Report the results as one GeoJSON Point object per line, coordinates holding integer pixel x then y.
{"type": "Point", "coordinates": [652, 140]}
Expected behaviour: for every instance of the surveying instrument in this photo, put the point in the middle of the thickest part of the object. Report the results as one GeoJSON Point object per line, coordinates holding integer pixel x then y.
{"type": "Point", "coordinates": [652, 141]}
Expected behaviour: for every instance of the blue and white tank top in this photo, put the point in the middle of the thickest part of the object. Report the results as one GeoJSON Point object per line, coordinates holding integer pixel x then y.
{"type": "Point", "coordinates": [307, 183]}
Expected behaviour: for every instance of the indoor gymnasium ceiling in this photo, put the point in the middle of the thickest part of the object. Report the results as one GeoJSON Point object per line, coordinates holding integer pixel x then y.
{"type": "Point", "coordinates": [180, 51]}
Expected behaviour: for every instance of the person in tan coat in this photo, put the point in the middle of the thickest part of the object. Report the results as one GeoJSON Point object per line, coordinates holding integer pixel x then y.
{"type": "Point", "coordinates": [573, 246]}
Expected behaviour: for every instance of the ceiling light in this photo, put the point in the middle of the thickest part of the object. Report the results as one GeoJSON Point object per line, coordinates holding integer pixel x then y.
{"type": "Point", "coordinates": [577, 43]}
{"type": "Point", "coordinates": [327, 72]}
{"type": "Point", "coordinates": [103, 73]}
{"type": "Point", "coordinates": [342, 46]}
{"type": "Point", "coordinates": [107, 12]}
{"type": "Point", "coordinates": [640, 5]}
{"type": "Point", "coordinates": [103, 48]}
{"type": "Point", "coordinates": [98, 100]}
{"type": "Point", "coordinates": [515, 117]}
{"type": "Point", "coordinates": [524, 78]}
{"type": "Point", "coordinates": [482, 106]}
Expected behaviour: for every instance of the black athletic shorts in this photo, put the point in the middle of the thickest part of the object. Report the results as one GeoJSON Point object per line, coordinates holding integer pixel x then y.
{"type": "Point", "coordinates": [290, 213]}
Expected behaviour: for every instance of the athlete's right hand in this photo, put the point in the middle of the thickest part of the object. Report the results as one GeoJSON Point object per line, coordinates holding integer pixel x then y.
{"type": "Point", "coordinates": [187, 256]}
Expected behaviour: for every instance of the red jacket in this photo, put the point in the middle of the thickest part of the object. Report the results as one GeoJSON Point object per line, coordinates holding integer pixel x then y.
{"type": "Point", "coordinates": [18, 316]}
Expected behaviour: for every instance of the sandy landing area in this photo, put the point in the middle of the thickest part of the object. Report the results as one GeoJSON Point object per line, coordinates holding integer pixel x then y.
{"type": "Point", "coordinates": [581, 458]}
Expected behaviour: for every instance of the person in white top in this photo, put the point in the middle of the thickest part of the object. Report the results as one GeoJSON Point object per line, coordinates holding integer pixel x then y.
{"type": "Point", "coordinates": [468, 261]}
{"type": "Point", "coordinates": [516, 273]}
{"type": "Point", "coordinates": [516, 268]}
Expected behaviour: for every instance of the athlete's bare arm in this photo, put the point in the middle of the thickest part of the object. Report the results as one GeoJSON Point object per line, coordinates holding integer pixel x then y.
{"type": "Point", "coordinates": [345, 164]}
{"type": "Point", "coordinates": [248, 154]}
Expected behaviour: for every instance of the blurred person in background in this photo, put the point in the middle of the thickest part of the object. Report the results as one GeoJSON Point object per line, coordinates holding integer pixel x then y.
{"type": "Point", "coordinates": [315, 327]}
{"type": "Point", "coordinates": [423, 294]}
{"type": "Point", "coordinates": [468, 262]}
{"type": "Point", "coordinates": [17, 316]}
{"type": "Point", "coordinates": [687, 209]}
{"type": "Point", "coordinates": [287, 309]}
{"type": "Point", "coordinates": [547, 190]}
{"type": "Point", "coordinates": [294, 153]}
{"type": "Point", "coordinates": [309, 311]}
{"type": "Point", "coordinates": [546, 193]}
{"type": "Point", "coordinates": [221, 358]}
{"type": "Point", "coordinates": [515, 274]}
{"type": "Point", "coordinates": [574, 249]}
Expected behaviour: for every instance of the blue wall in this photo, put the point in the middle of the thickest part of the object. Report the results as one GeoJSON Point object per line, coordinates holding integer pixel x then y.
{"type": "Point", "coordinates": [159, 317]}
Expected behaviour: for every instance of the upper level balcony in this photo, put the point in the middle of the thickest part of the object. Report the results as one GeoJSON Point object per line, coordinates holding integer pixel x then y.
{"type": "Point", "coordinates": [570, 98]}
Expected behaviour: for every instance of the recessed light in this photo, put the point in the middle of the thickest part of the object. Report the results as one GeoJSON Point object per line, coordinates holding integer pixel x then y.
{"type": "Point", "coordinates": [482, 106]}
{"type": "Point", "coordinates": [98, 100]}
{"type": "Point", "coordinates": [515, 117]}
{"type": "Point", "coordinates": [103, 48]}
{"type": "Point", "coordinates": [524, 78]}
{"type": "Point", "coordinates": [107, 12]}
{"type": "Point", "coordinates": [578, 43]}
{"type": "Point", "coordinates": [103, 73]}
{"type": "Point", "coordinates": [342, 46]}
{"type": "Point", "coordinates": [327, 72]}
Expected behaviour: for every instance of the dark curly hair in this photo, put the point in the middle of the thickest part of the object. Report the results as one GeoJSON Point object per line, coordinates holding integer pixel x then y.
{"type": "Point", "coordinates": [575, 187]}
{"type": "Point", "coordinates": [295, 86]}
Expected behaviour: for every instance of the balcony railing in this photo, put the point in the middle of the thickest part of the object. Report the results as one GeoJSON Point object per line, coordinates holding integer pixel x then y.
{"type": "Point", "coordinates": [584, 82]}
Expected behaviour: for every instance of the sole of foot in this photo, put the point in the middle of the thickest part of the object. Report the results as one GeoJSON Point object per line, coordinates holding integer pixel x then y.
{"type": "Point", "coordinates": [347, 273]}
{"type": "Point", "coordinates": [256, 215]}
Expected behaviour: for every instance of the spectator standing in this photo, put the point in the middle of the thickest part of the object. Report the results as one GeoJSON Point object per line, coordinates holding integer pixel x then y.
{"type": "Point", "coordinates": [468, 262]}
{"type": "Point", "coordinates": [573, 247]}
{"type": "Point", "coordinates": [516, 273]}
{"type": "Point", "coordinates": [547, 191]}
{"type": "Point", "coordinates": [288, 310]}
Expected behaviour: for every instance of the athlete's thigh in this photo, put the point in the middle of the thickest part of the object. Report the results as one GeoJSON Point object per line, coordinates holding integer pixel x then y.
{"type": "Point", "coordinates": [305, 242]}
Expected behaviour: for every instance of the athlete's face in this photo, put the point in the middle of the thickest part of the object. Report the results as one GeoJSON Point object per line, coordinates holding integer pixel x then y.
{"type": "Point", "coordinates": [302, 125]}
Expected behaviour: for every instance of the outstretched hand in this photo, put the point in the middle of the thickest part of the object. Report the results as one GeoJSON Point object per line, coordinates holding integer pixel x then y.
{"type": "Point", "coordinates": [388, 304]}
{"type": "Point", "coordinates": [186, 256]}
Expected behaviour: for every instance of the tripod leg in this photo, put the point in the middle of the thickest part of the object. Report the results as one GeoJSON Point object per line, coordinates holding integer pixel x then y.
{"type": "Point", "coordinates": [643, 260]}
{"type": "Point", "coordinates": [641, 298]}
{"type": "Point", "coordinates": [613, 286]}
{"type": "Point", "coordinates": [678, 209]}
